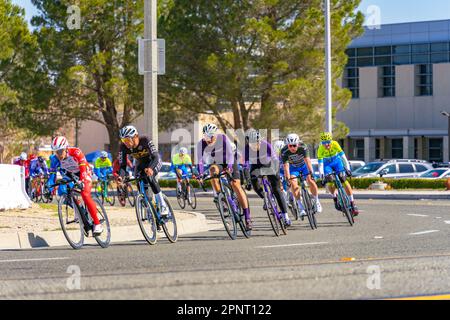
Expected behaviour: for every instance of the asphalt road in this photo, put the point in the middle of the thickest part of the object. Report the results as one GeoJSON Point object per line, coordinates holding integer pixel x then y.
{"type": "Point", "coordinates": [395, 249]}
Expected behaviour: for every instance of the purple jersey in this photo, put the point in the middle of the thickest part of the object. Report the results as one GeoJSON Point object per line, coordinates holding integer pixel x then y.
{"type": "Point", "coordinates": [218, 153]}
{"type": "Point", "coordinates": [262, 157]}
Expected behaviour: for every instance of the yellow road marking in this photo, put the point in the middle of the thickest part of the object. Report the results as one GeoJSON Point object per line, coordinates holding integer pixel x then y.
{"type": "Point", "coordinates": [436, 297]}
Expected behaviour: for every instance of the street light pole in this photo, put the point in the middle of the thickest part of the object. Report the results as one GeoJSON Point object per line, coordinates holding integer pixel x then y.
{"type": "Point", "coordinates": [150, 66]}
{"type": "Point", "coordinates": [328, 76]}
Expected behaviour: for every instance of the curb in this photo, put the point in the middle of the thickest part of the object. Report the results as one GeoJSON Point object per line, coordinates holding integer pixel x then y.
{"type": "Point", "coordinates": [358, 195]}
{"type": "Point", "coordinates": [45, 239]}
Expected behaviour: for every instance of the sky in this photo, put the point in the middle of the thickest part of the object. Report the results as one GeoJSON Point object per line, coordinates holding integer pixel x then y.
{"type": "Point", "coordinates": [391, 11]}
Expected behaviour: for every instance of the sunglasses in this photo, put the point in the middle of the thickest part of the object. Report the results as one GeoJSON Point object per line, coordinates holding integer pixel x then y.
{"type": "Point", "coordinates": [60, 152]}
{"type": "Point", "coordinates": [292, 145]}
{"type": "Point", "coordinates": [127, 140]}
{"type": "Point", "coordinates": [326, 142]}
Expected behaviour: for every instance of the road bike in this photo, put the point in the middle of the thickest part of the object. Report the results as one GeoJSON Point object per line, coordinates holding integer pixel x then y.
{"type": "Point", "coordinates": [343, 199]}
{"type": "Point", "coordinates": [105, 190]}
{"type": "Point", "coordinates": [290, 201]}
{"type": "Point", "coordinates": [270, 203]}
{"type": "Point", "coordinates": [75, 220]}
{"type": "Point", "coordinates": [125, 193]}
{"type": "Point", "coordinates": [186, 193]}
{"type": "Point", "coordinates": [229, 208]}
{"type": "Point", "coordinates": [148, 213]}
{"type": "Point", "coordinates": [309, 203]}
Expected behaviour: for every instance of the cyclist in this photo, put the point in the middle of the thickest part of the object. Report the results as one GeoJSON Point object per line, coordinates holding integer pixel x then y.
{"type": "Point", "coordinates": [215, 149]}
{"type": "Point", "coordinates": [38, 168]}
{"type": "Point", "coordinates": [296, 160]}
{"type": "Point", "coordinates": [180, 164]}
{"type": "Point", "coordinates": [23, 161]}
{"type": "Point", "coordinates": [102, 168]}
{"type": "Point", "coordinates": [148, 163]}
{"type": "Point", "coordinates": [332, 158]}
{"type": "Point", "coordinates": [262, 161]}
{"type": "Point", "coordinates": [116, 167]}
{"type": "Point", "coordinates": [72, 164]}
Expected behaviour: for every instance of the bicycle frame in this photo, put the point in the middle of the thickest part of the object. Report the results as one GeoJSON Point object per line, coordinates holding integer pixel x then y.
{"type": "Point", "coordinates": [141, 184]}
{"type": "Point", "coordinates": [268, 190]}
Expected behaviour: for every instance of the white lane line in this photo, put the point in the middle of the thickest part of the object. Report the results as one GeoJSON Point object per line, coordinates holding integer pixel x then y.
{"type": "Point", "coordinates": [294, 245]}
{"type": "Point", "coordinates": [378, 237]}
{"type": "Point", "coordinates": [423, 232]}
{"type": "Point", "coordinates": [38, 259]}
{"type": "Point", "coordinates": [447, 221]}
{"type": "Point", "coordinates": [417, 215]}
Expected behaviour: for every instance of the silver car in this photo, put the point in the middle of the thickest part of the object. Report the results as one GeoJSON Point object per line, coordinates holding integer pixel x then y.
{"type": "Point", "coordinates": [438, 173]}
{"type": "Point", "coordinates": [393, 169]}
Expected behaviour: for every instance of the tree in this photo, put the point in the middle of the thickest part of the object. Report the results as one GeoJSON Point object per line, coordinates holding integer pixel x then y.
{"type": "Point", "coordinates": [263, 60]}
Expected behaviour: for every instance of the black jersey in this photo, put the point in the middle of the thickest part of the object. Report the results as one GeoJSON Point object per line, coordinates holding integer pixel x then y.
{"type": "Point", "coordinates": [145, 154]}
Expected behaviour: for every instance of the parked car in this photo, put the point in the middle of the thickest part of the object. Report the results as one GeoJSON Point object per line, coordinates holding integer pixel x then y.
{"type": "Point", "coordinates": [440, 173]}
{"type": "Point", "coordinates": [353, 164]}
{"type": "Point", "coordinates": [397, 168]}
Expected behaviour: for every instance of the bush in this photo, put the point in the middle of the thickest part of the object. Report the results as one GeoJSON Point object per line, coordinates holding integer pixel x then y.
{"type": "Point", "coordinates": [173, 184]}
{"type": "Point", "coordinates": [397, 184]}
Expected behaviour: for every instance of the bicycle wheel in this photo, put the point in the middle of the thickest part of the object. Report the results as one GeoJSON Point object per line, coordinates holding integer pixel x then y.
{"type": "Point", "coordinates": [111, 199]}
{"type": "Point", "coordinates": [146, 219]}
{"type": "Point", "coordinates": [227, 216]}
{"type": "Point", "coordinates": [345, 205]}
{"type": "Point", "coordinates": [237, 211]}
{"type": "Point", "coordinates": [293, 206]}
{"type": "Point", "coordinates": [193, 197]}
{"type": "Point", "coordinates": [307, 203]}
{"type": "Point", "coordinates": [71, 223]}
{"type": "Point", "coordinates": [272, 218]}
{"type": "Point", "coordinates": [100, 193]}
{"type": "Point", "coordinates": [169, 224]}
{"type": "Point", "coordinates": [121, 195]}
{"type": "Point", "coordinates": [130, 194]}
{"type": "Point", "coordinates": [181, 199]}
{"type": "Point", "coordinates": [104, 239]}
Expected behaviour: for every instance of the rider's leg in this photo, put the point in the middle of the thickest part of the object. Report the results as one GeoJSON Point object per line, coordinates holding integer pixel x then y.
{"type": "Point", "coordinates": [214, 170]}
{"type": "Point", "coordinates": [156, 189]}
{"type": "Point", "coordinates": [276, 189]}
{"type": "Point", "coordinates": [315, 192]}
{"type": "Point", "coordinates": [90, 204]}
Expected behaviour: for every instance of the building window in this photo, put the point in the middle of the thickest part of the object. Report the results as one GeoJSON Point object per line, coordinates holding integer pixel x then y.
{"type": "Point", "coordinates": [351, 81]}
{"type": "Point", "coordinates": [397, 148]}
{"type": "Point", "coordinates": [424, 80]}
{"type": "Point", "coordinates": [386, 83]}
{"type": "Point", "coordinates": [435, 153]}
{"type": "Point", "coordinates": [358, 151]}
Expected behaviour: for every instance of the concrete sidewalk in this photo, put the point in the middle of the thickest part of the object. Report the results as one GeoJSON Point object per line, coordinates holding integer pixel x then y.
{"type": "Point", "coordinates": [187, 223]}
{"type": "Point", "coordinates": [360, 194]}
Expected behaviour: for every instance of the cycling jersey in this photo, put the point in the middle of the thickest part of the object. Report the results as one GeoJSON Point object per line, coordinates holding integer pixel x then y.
{"type": "Point", "coordinates": [179, 161]}
{"type": "Point", "coordinates": [264, 156]}
{"type": "Point", "coordinates": [295, 159]}
{"type": "Point", "coordinates": [37, 168]}
{"type": "Point", "coordinates": [102, 168]}
{"type": "Point", "coordinates": [116, 166]}
{"type": "Point", "coordinates": [332, 159]}
{"type": "Point", "coordinates": [218, 153]}
{"type": "Point", "coordinates": [145, 154]}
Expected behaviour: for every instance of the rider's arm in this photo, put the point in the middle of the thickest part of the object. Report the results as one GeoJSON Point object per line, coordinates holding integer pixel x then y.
{"type": "Point", "coordinates": [54, 164]}
{"type": "Point", "coordinates": [200, 157]}
{"type": "Point", "coordinates": [229, 154]}
{"type": "Point", "coordinates": [341, 154]}
{"type": "Point", "coordinates": [155, 163]}
{"type": "Point", "coordinates": [122, 160]}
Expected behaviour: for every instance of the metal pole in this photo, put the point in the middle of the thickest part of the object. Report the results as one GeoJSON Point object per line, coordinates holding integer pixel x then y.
{"type": "Point", "coordinates": [328, 76]}
{"type": "Point", "coordinates": [151, 78]}
{"type": "Point", "coordinates": [448, 150]}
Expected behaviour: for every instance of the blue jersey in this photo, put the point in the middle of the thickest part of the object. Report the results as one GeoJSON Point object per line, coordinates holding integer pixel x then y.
{"type": "Point", "coordinates": [37, 168]}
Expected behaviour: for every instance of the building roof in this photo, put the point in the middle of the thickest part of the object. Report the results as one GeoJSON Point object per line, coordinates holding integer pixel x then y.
{"type": "Point", "coordinates": [404, 33]}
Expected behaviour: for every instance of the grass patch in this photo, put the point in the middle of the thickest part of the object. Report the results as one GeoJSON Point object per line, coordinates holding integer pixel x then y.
{"type": "Point", "coordinates": [48, 206]}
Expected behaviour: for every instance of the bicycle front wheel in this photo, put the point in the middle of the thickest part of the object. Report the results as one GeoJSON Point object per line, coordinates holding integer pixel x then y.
{"type": "Point", "coordinates": [345, 205]}
{"type": "Point", "coordinates": [307, 203]}
{"type": "Point", "coordinates": [110, 198]}
{"type": "Point", "coordinates": [130, 194]}
{"type": "Point", "coordinates": [169, 223]}
{"type": "Point", "coordinates": [272, 217]}
{"type": "Point", "coordinates": [146, 219]}
{"type": "Point", "coordinates": [104, 239]}
{"type": "Point", "coordinates": [227, 216]}
{"type": "Point", "coordinates": [71, 223]}
{"type": "Point", "coordinates": [192, 197]}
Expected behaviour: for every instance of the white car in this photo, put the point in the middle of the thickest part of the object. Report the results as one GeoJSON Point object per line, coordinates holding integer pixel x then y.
{"type": "Point", "coordinates": [353, 164]}
{"type": "Point", "coordinates": [438, 173]}
{"type": "Point", "coordinates": [165, 170]}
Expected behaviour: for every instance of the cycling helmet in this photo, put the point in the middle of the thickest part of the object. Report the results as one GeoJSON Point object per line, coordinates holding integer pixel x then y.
{"type": "Point", "coordinates": [128, 132]}
{"type": "Point", "coordinates": [23, 156]}
{"type": "Point", "coordinates": [40, 159]}
{"type": "Point", "coordinates": [182, 151]}
{"type": "Point", "coordinates": [104, 154]}
{"type": "Point", "coordinates": [326, 136]}
{"type": "Point", "coordinates": [279, 145]}
{"type": "Point", "coordinates": [210, 130]}
{"type": "Point", "coordinates": [293, 139]}
{"type": "Point", "coordinates": [253, 136]}
{"type": "Point", "coordinates": [59, 143]}
{"type": "Point", "coordinates": [233, 146]}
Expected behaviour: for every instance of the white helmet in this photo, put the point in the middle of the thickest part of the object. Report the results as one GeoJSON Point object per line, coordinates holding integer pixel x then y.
{"type": "Point", "coordinates": [253, 136]}
{"type": "Point", "coordinates": [278, 145]}
{"type": "Point", "coordinates": [233, 146]}
{"type": "Point", "coordinates": [183, 151]}
{"type": "Point", "coordinates": [210, 129]}
{"type": "Point", "coordinates": [104, 154]}
{"type": "Point", "coordinates": [292, 138]}
{"type": "Point", "coordinates": [23, 156]}
{"type": "Point", "coordinates": [128, 132]}
{"type": "Point", "coordinates": [59, 143]}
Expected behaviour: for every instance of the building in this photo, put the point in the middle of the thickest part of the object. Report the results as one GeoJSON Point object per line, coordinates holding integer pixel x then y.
{"type": "Point", "coordinates": [399, 76]}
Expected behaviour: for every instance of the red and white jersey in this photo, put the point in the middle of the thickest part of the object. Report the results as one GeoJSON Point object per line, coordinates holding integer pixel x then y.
{"type": "Point", "coordinates": [76, 163]}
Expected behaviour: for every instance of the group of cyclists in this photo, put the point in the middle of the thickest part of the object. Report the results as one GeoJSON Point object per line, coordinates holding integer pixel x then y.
{"type": "Point", "coordinates": [282, 164]}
